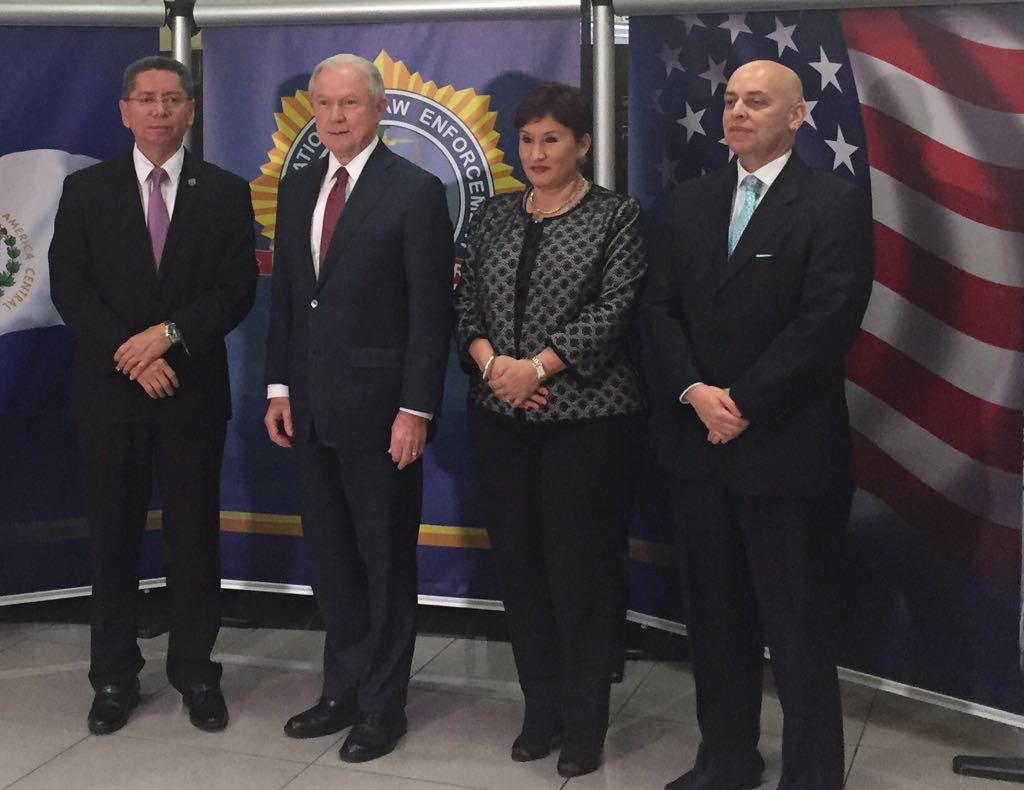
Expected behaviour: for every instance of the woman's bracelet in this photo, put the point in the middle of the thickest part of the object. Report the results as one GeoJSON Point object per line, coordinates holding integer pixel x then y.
{"type": "Point", "coordinates": [538, 368]}
{"type": "Point", "coordinates": [487, 367]}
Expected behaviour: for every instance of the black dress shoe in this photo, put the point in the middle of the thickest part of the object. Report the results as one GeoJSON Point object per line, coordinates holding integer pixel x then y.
{"type": "Point", "coordinates": [376, 736]}
{"type": "Point", "coordinates": [572, 763]}
{"type": "Point", "coordinates": [706, 777]}
{"type": "Point", "coordinates": [111, 706]}
{"type": "Point", "coordinates": [327, 717]}
{"type": "Point", "coordinates": [206, 707]}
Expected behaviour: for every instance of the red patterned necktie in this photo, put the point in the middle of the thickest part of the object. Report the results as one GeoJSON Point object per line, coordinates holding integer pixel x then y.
{"type": "Point", "coordinates": [333, 209]}
{"type": "Point", "coordinates": [157, 218]}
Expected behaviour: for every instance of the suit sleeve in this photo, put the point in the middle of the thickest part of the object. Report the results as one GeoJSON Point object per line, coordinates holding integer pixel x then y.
{"type": "Point", "coordinates": [587, 342]}
{"type": "Point", "coordinates": [280, 326]}
{"type": "Point", "coordinates": [812, 348]}
{"type": "Point", "coordinates": [429, 255]}
{"type": "Point", "coordinates": [668, 358]}
{"type": "Point", "coordinates": [206, 320]}
{"type": "Point", "coordinates": [72, 289]}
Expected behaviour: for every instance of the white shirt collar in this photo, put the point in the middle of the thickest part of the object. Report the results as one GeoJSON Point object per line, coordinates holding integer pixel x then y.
{"type": "Point", "coordinates": [354, 167]}
{"type": "Point", "coordinates": [143, 167]}
{"type": "Point", "coordinates": [766, 174]}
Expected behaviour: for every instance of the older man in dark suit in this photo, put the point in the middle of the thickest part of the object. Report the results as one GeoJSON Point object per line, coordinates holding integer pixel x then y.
{"type": "Point", "coordinates": [760, 278]}
{"type": "Point", "coordinates": [151, 265]}
{"type": "Point", "coordinates": [358, 341]}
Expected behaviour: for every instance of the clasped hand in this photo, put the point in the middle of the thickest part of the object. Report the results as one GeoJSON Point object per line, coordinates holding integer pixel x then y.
{"type": "Point", "coordinates": [136, 353]}
{"type": "Point", "coordinates": [515, 382]}
{"type": "Point", "coordinates": [140, 358]}
{"type": "Point", "coordinates": [158, 379]}
{"type": "Point", "coordinates": [719, 413]}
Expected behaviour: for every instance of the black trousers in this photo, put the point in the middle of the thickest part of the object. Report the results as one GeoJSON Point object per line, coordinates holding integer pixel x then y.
{"type": "Point", "coordinates": [118, 462]}
{"type": "Point", "coordinates": [360, 521]}
{"type": "Point", "coordinates": [556, 502]}
{"type": "Point", "coordinates": [765, 570]}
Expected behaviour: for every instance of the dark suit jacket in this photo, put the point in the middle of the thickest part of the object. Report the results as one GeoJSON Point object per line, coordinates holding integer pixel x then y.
{"type": "Point", "coordinates": [773, 323]}
{"type": "Point", "coordinates": [372, 333]}
{"type": "Point", "coordinates": [106, 287]}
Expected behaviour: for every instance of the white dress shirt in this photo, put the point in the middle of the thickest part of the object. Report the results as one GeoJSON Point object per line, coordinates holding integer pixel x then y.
{"type": "Point", "coordinates": [355, 169]}
{"type": "Point", "coordinates": [766, 174]}
{"type": "Point", "coordinates": [169, 188]}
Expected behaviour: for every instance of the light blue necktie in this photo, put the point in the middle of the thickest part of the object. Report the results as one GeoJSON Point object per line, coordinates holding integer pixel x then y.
{"type": "Point", "coordinates": [752, 188]}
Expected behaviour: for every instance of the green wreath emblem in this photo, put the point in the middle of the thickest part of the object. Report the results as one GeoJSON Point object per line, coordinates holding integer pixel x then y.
{"type": "Point", "coordinates": [13, 264]}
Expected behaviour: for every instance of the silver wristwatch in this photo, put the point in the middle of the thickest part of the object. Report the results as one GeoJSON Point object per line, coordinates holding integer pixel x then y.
{"type": "Point", "coordinates": [171, 333]}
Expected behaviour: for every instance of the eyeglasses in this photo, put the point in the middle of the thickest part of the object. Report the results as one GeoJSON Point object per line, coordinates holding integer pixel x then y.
{"type": "Point", "coordinates": [171, 100]}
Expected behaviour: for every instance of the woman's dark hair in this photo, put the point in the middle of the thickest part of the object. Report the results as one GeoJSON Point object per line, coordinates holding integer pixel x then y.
{"type": "Point", "coordinates": [562, 102]}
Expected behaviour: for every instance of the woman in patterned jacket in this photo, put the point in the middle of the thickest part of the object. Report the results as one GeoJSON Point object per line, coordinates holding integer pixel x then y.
{"type": "Point", "coordinates": [548, 291]}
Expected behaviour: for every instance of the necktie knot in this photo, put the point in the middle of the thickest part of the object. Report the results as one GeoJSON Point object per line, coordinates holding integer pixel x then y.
{"type": "Point", "coordinates": [157, 176]}
{"type": "Point", "coordinates": [752, 186]}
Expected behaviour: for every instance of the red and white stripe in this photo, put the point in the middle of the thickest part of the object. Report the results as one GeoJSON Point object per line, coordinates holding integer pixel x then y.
{"type": "Point", "coordinates": [936, 377]}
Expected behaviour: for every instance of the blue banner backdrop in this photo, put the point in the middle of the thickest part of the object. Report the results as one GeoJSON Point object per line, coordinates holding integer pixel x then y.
{"type": "Point", "coordinates": [59, 110]}
{"type": "Point", "coordinates": [918, 106]}
{"type": "Point", "coordinates": [452, 89]}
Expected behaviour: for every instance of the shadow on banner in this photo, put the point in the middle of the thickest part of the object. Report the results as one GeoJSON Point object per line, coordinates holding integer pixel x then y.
{"type": "Point", "coordinates": [58, 116]}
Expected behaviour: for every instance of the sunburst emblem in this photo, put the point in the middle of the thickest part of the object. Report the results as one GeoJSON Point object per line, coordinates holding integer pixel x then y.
{"type": "Point", "coordinates": [447, 131]}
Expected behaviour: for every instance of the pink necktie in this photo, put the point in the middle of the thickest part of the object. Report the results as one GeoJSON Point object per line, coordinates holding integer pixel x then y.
{"type": "Point", "coordinates": [335, 203]}
{"type": "Point", "coordinates": [157, 218]}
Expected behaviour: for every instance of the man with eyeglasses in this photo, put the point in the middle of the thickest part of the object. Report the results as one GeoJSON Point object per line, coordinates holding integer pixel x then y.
{"type": "Point", "coordinates": [152, 263]}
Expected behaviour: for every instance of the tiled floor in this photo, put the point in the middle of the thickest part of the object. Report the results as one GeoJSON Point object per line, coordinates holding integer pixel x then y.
{"type": "Point", "coordinates": [464, 710]}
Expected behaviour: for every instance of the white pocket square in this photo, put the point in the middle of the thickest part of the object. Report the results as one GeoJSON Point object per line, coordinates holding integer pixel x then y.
{"type": "Point", "coordinates": [764, 255]}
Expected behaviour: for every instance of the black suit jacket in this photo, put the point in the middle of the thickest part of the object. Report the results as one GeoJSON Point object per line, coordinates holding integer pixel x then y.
{"type": "Point", "coordinates": [104, 284]}
{"type": "Point", "coordinates": [371, 334]}
{"type": "Point", "coordinates": [773, 323]}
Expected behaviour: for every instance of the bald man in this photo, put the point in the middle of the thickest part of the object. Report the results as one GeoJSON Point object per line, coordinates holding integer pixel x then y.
{"type": "Point", "coordinates": [760, 276]}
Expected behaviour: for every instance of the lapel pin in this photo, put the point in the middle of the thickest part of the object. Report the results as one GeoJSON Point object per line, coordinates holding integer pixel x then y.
{"type": "Point", "coordinates": [191, 182]}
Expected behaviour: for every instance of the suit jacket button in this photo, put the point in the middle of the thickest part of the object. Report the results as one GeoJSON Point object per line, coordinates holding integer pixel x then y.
{"type": "Point", "coordinates": [313, 304]}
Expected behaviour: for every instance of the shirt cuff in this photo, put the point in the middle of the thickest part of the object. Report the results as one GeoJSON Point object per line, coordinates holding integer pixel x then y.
{"type": "Point", "coordinates": [682, 398]}
{"type": "Point", "coordinates": [423, 414]}
{"type": "Point", "coordinates": [277, 391]}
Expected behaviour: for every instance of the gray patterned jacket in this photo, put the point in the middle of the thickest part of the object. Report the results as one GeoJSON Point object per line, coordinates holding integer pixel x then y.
{"type": "Point", "coordinates": [584, 289]}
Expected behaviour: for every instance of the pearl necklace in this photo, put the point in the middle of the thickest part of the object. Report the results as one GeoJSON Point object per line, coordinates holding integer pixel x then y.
{"type": "Point", "coordinates": [582, 187]}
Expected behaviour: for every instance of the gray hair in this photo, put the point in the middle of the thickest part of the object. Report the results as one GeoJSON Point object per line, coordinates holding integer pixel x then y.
{"type": "Point", "coordinates": [373, 78]}
{"type": "Point", "coordinates": [155, 63]}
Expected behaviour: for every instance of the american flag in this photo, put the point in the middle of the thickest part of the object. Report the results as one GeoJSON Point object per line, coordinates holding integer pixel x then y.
{"type": "Point", "coordinates": [922, 107]}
